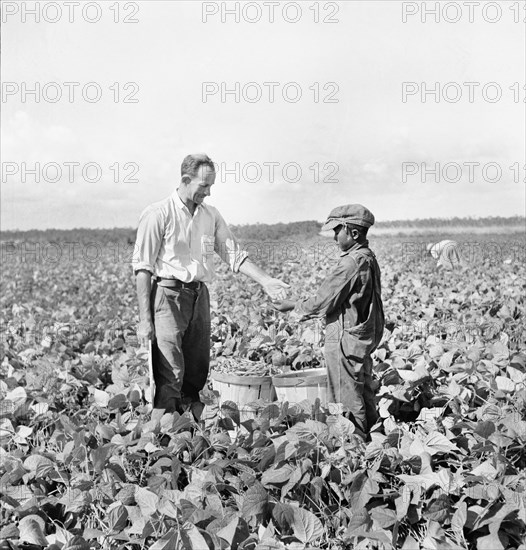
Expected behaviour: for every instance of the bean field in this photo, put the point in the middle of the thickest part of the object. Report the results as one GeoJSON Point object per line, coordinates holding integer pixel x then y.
{"type": "Point", "coordinates": [86, 464]}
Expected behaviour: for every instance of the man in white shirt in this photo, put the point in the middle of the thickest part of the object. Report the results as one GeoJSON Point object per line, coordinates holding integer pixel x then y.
{"type": "Point", "coordinates": [446, 253]}
{"type": "Point", "coordinates": [173, 262]}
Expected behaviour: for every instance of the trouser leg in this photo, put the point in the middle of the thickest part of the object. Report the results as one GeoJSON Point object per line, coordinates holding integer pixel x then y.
{"type": "Point", "coordinates": [369, 398]}
{"type": "Point", "coordinates": [333, 379]}
{"type": "Point", "coordinates": [172, 310]}
{"type": "Point", "coordinates": [349, 381]}
{"type": "Point", "coordinates": [352, 378]}
{"type": "Point", "coordinates": [196, 347]}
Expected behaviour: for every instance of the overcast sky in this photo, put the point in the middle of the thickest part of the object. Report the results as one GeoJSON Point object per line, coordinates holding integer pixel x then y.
{"type": "Point", "coordinates": [350, 137]}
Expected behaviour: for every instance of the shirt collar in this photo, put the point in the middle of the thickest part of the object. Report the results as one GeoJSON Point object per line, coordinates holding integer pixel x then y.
{"type": "Point", "coordinates": [355, 246]}
{"type": "Point", "coordinates": [180, 204]}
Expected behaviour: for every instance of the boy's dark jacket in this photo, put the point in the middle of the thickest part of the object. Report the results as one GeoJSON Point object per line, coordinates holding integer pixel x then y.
{"type": "Point", "coordinates": [350, 299]}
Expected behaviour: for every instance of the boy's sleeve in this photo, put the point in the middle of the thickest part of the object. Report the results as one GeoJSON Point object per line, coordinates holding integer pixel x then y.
{"type": "Point", "coordinates": [332, 292]}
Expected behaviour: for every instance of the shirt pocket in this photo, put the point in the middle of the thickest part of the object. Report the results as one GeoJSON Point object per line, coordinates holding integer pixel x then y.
{"type": "Point", "coordinates": [207, 249]}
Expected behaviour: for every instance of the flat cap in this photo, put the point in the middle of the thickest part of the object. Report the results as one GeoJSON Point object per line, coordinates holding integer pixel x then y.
{"type": "Point", "coordinates": [349, 213]}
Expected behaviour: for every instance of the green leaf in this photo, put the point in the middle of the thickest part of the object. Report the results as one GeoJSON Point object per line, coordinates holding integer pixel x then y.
{"type": "Point", "coordinates": [231, 410]}
{"type": "Point", "coordinates": [39, 465]}
{"type": "Point", "coordinates": [504, 384]}
{"type": "Point", "coordinates": [90, 533]}
{"type": "Point", "coordinates": [380, 536]}
{"type": "Point", "coordinates": [519, 361]}
{"type": "Point", "coordinates": [283, 515]}
{"type": "Point", "coordinates": [235, 532]}
{"type": "Point", "coordinates": [306, 526]}
{"type": "Point", "coordinates": [77, 543]}
{"type": "Point", "coordinates": [485, 428]}
{"type": "Point", "coordinates": [383, 517]}
{"type": "Point", "coordinates": [75, 500]}
{"type": "Point", "coordinates": [425, 481]}
{"type": "Point", "coordinates": [277, 476]}
{"type": "Point", "coordinates": [361, 490]}
{"type": "Point", "coordinates": [491, 542]}
{"type": "Point", "coordinates": [268, 544]}
{"type": "Point", "coordinates": [147, 501]}
{"type": "Point", "coordinates": [17, 397]}
{"type": "Point", "coordinates": [433, 443]}
{"type": "Point", "coordinates": [169, 541]}
{"type": "Point", "coordinates": [118, 401]}
{"type": "Point", "coordinates": [339, 426]}
{"type": "Point", "coordinates": [459, 517]}
{"type": "Point", "coordinates": [117, 516]}
{"type": "Point", "coordinates": [168, 508]}
{"type": "Point", "coordinates": [137, 520]}
{"type": "Point", "coordinates": [410, 544]}
{"type": "Point", "coordinates": [361, 520]}
{"type": "Point", "coordinates": [31, 530]}
{"type": "Point", "coordinates": [100, 455]}
{"type": "Point", "coordinates": [192, 538]}
{"type": "Point", "coordinates": [9, 532]}
{"type": "Point", "coordinates": [414, 377]}
{"type": "Point", "coordinates": [228, 532]}
{"type": "Point", "coordinates": [255, 501]}
{"type": "Point", "coordinates": [402, 502]}
{"type": "Point", "coordinates": [486, 470]}
{"type": "Point", "coordinates": [296, 476]}
{"type": "Point", "coordinates": [438, 509]}
{"type": "Point", "coordinates": [101, 397]}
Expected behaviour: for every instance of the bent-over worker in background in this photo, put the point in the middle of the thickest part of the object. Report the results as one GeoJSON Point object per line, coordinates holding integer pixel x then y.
{"type": "Point", "coordinates": [446, 253]}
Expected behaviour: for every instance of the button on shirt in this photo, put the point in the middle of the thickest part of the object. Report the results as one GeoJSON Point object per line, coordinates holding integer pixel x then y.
{"type": "Point", "coordinates": [174, 244]}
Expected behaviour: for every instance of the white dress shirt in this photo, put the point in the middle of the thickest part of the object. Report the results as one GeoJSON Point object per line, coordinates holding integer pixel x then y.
{"type": "Point", "coordinates": [174, 244]}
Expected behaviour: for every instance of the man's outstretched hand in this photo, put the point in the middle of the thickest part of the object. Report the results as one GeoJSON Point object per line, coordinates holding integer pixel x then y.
{"type": "Point", "coordinates": [276, 289]}
{"type": "Point", "coordinates": [284, 305]}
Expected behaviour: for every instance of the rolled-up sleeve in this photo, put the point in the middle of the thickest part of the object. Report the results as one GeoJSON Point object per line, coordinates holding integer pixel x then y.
{"type": "Point", "coordinates": [149, 239]}
{"type": "Point", "coordinates": [332, 292]}
{"type": "Point", "coordinates": [226, 246]}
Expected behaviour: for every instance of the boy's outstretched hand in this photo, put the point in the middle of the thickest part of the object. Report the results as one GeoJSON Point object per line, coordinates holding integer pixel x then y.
{"type": "Point", "coordinates": [284, 305]}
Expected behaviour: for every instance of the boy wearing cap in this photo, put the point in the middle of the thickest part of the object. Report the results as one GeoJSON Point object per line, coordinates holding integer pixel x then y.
{"type": "Point", "coordinates": [350, 300]}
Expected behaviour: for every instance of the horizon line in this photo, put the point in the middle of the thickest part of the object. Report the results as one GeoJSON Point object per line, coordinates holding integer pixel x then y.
{"type": "Point", "coordinates": [377, 224]}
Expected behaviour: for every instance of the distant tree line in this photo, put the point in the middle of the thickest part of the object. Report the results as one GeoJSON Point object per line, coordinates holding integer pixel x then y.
{"type": "Point", "coordinates": [77, 235]}
{"type": "Point", "coordinates": [312, 228]}
{"type": "Point", "coordinates": [252, 232]}
{"type": "Point", "coordinates": [455, 222]}
{"type": "Point", "coordinates": [276, 231]}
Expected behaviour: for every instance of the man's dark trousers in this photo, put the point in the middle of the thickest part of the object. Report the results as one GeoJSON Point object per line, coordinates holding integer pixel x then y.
{"type": "Point", "coordinates": [181, 350]}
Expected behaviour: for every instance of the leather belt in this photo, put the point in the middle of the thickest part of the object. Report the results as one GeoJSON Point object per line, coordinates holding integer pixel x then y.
{"type": "Point", "coordinates": [176, 283]}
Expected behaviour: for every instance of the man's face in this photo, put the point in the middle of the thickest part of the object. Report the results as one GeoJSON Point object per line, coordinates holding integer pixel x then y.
{"type": "Point", "coordinates": [199, 186]}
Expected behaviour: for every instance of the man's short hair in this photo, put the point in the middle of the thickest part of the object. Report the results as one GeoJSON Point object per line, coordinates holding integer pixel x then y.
{"type": "Point", "coordinates": [192, 163]}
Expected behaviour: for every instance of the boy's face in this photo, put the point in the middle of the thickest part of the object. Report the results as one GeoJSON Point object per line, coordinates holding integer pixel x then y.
{"type": "Point", "coordinates": [345, 237]}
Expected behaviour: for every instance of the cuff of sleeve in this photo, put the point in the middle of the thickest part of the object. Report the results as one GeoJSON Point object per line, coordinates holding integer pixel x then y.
{"type": "Point", "coordinates": [305, 313]}
{"type": "Point", "coordinates": [298, 309]}
{"type": "Point", "coordinates": [137, 266]}
{"type": "Point", "coordinates": [239, 258]}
